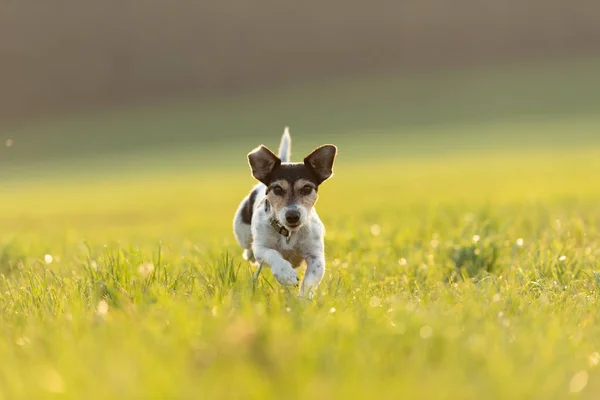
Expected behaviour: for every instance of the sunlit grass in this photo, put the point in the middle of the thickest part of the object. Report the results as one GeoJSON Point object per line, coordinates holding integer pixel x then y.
{"type": "Point", "coordinates": [463, 246]}
{"type": "Point", "coordinates": [450, 275]}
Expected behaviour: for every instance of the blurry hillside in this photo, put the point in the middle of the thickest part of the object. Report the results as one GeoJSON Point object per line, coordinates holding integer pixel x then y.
{"type": "Point", "coordinates": [68, 55]}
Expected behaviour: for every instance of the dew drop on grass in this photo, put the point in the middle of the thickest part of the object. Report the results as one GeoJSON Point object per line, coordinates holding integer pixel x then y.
{"type": "Point", "coordinates": [51, 381]}
{"type": "Point", "coordinates": [48, 258]}
{"type": "Point", "coordinates": [578, 382]}
{"type": "Point", "coordinates": [102, 308]}
{"type": "Point", "coordinates": [402, 261]}
{"type": "Point", "coordinates": [145, 269]}
{"type": "Point", "coordinates": [594, 359]}
{"type": "Point", "coordinates": [562, 258]}
{"type": "Point", "coordinates": [375, 230]}
{"type": "Point", "coordinates": [520, 242]}
{"type": "Point", "coordinates": [374, 301]}
{"type": "Point", "coordinates": [426, 332]}
{"type": "Point", "coordinates": [22, 341]}
{"type": "Point", "coordinates": [332, 310]}
{"type": "Point", "coordinates": [476, 238]}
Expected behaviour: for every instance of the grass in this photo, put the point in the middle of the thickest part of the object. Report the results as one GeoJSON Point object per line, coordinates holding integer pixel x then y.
{"type": "Point", "coordinates": [462, 263]}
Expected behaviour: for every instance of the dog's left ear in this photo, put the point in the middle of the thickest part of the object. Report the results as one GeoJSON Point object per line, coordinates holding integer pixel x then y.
{"type": "Point", "coordinates": [262, 162]}
{"type": "Point", "coordinates": [320, 161]}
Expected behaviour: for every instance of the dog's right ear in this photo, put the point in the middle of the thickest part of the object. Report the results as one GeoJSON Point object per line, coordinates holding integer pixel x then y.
{"type": "Point", "coordinates": [262, 162]}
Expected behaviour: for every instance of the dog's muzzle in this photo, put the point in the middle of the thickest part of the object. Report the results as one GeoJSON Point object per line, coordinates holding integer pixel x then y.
{"type": "Point", "coordinates": [292, 217]}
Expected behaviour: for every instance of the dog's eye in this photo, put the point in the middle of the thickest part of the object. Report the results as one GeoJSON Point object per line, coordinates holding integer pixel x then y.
{"type": "Point", "coordinates": [306, 190]}
{"type": "Point", "coordinates": [278, 191]}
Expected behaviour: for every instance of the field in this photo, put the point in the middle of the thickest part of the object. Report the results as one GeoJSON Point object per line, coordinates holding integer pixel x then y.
{"type": "Point", "coordinates": [463, 246]}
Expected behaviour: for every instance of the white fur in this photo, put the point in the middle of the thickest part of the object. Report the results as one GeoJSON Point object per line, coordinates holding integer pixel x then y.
{"type": "Point", "coordinates": [285, 147]}
{"type": "Point", "coordinates": [263, 244]}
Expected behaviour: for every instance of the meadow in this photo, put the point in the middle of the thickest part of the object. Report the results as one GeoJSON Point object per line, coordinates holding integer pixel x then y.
{"type": "Point", "coordinates": [463, 246]}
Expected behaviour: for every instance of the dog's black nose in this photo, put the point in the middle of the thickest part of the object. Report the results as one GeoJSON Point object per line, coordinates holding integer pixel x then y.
{"type": "Point", "coordinates": [292, 216]}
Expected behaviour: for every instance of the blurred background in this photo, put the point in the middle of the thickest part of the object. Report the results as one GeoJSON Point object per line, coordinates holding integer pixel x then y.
{"type": "Point", "coordinates": [95, 81]}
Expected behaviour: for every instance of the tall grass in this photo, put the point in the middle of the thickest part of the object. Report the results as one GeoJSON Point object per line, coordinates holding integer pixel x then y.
{"type": "Point", "coordinates": [449, 277]}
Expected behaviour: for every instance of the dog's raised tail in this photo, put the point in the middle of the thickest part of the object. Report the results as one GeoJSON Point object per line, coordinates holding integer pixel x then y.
{"type": "Point", "coordinates": [285, 147]}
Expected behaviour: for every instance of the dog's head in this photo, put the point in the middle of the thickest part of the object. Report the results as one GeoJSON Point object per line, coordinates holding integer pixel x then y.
{"type": "Point", "coordinates": [292, 187]}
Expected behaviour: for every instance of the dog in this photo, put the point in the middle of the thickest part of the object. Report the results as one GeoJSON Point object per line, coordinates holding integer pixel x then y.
{"type": "Point", "coordinates": [277, 224]}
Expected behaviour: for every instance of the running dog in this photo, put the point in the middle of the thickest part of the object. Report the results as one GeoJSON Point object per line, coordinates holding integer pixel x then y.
{"type": "Point", "coordinates": [277, 223]}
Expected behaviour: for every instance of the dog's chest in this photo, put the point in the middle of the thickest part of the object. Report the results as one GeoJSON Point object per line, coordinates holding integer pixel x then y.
{"type": "Point", "coordinates": [292, 251]}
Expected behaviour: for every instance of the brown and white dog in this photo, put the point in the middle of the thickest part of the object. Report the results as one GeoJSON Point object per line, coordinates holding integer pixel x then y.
{"type": "Point", "coordinates": [277, 223]}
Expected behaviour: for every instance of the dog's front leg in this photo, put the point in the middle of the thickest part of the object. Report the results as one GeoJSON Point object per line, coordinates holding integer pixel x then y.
{"type": "Point", "coordinates": [281, 268]}
{"type": "Point", "coordinates": [315, 270]}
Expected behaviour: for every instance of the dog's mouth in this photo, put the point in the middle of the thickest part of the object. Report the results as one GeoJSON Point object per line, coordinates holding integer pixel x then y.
{"type": "Point", "coordinates": [293, 226]}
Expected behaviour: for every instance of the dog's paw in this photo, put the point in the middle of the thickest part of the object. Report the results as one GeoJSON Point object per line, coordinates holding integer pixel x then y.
{"type": "Point", "coordinates": [248, 255]}
{"type": "Point", "coordinates": [306, 293]}
{"type": "Point", "coordinates": [285, 274]}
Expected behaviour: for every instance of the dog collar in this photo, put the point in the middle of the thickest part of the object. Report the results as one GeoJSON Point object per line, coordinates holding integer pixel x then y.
{"type": "Point", "coordinates": [282, 230]}
{"type": "Point", "coordinates": [278, 226]}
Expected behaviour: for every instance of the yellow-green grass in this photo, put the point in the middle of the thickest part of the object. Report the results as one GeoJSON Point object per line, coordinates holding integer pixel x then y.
{"type": "Point", "coordinates": [463, 247]}
{"type": "Point", "coordinates": [456, 274]}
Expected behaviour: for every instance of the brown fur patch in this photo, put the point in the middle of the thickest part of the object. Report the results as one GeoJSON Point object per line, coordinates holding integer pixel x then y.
{"type": "Point", "coordinates": [279, 202]}
{"type": "Point", "coordinates": [306, 201]}
{"type": "Point", "coordinates": [293, 194]}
